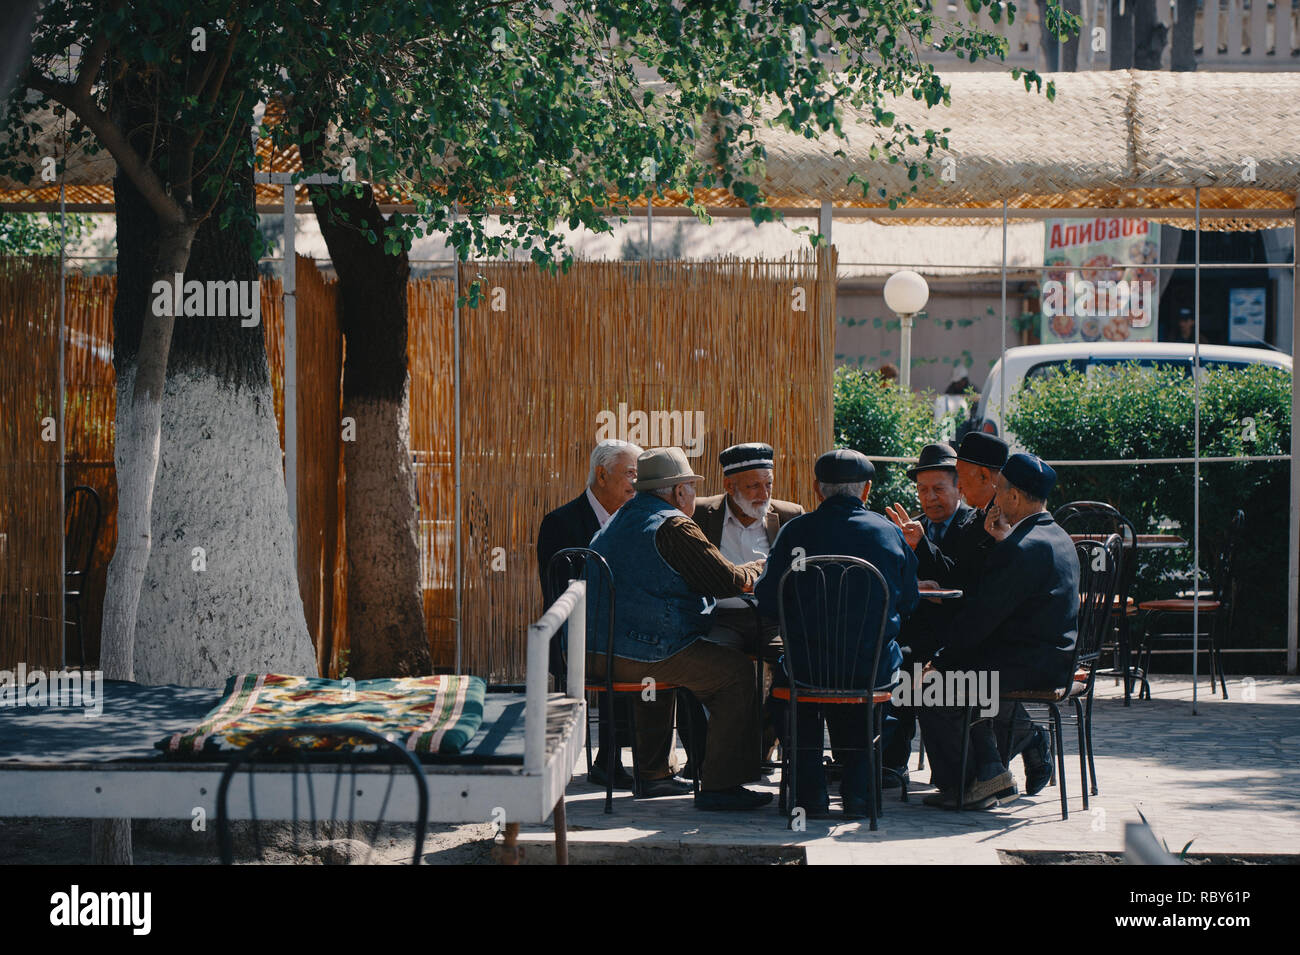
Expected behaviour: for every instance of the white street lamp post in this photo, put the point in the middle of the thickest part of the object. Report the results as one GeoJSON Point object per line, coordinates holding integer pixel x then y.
{"type": "Point", "coordinates": [906, 294]}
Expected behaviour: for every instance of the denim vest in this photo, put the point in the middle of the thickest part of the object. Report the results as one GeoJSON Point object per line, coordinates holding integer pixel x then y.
{"type": "Point", "coordinates": [655, 613]}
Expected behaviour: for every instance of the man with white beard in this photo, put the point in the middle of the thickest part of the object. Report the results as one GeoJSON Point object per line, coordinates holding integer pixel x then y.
{"type": "Point", "coordinates": [742, 523]}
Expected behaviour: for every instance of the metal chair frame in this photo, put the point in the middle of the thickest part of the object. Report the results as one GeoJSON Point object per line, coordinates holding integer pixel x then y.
{"type": "Point", "coordinates": [1098, 512]}
{"type": "Point", "coordinates": [829, 686]}
{"type": "Point", "coordinates": [271, 749]}
{"type": "Point", "coordinates": [1224, 581]}
{"type": "Point", "coordinates": [566, 560]}
{"type": "Point", "coordinates": [74, 580]}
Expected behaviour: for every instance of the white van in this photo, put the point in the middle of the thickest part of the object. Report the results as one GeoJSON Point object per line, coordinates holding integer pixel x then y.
{"type": "Point", "coordinates": [1030, 361]}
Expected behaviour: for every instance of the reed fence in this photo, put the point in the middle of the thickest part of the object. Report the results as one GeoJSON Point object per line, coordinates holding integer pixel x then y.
{"type": "Point", "coordinates": [549, 364]}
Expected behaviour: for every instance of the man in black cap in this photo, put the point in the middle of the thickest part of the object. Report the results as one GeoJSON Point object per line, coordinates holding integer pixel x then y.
{"type": "Point", "coordinates": [959, 560]}
{"type": "Point", "coordinates": [943, 516]}
{"type": "Point", "coordinates": [742, 523]}
{"type": "Point", "coordinates": [840, 525]}
{"type": "Point", "coordinates": [956, 559]}
{"type": "Point", "coordinates": [1020, 623]}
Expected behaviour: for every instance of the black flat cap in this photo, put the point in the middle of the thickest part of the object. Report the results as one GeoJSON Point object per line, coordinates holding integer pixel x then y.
{"type": "Point", "coordinates": [1030, 474]}
{"type": "Point", "coordinates": [844, 466]}
{"type": "Point", "coordinates": [983, 449]}
{"type": "Point", "coordinates": [933, 458]}
{"type": "Point", "coordinates": [745, 457]}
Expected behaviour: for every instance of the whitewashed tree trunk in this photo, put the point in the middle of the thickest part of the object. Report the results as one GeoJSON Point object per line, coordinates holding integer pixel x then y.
{"type": "Point", "coordinates": [136, 444]}
{"type": "Point", "coordinates": [221, 594]}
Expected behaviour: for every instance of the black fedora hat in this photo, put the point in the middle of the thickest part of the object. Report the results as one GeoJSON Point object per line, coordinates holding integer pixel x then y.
{"type": "Point", "coordinates": [933, 458]}
{"type": "Point", "coordinates": [984, 450]}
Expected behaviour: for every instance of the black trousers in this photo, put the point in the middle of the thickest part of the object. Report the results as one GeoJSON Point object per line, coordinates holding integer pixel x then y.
{"type": "Point", "coordinates": [739, 628]}
{"type": "Point", "coordinates": [991, 742]}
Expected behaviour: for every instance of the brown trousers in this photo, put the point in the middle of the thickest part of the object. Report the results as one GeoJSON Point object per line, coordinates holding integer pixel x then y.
{"type": "Point", "coordinates": [722, 680]}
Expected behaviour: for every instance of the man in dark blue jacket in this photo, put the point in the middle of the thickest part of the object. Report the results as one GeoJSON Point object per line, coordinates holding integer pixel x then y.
{"type": "Point", "coordinates": [611, 473]}
{"type": "Point", "coordinates": [840, 525]}
{"type": "Point", "coordinates": [1020, 624]}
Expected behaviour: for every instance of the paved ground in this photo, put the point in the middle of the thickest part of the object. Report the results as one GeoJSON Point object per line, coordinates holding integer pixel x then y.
{"type": "Point", "coordinates": [1227, 778]}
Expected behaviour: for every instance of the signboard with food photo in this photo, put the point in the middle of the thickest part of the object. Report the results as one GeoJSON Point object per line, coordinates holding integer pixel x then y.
{"type": "Point", "coordinates": [1098, 282]}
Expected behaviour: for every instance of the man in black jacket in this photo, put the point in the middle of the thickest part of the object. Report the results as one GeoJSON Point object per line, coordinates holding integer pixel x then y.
{"type": "Point", "coordinates": [943, 517]}
{"type": "Point", "coordinates": [610, 476]}
{"type": "Point", "coordinates": [1020, 623]}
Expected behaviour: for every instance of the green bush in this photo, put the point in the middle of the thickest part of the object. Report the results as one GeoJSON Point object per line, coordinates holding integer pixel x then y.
{"type": "Point", "coordinates": [1133, 412]}
{"type": "Point", "coordinates": [876, 417]}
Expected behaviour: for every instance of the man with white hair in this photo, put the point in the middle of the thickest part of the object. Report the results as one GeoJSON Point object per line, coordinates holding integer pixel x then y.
{"type": "Point", "coordinates": [610, 476]}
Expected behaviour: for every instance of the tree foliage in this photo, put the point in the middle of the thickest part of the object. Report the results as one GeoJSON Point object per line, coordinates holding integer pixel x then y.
{"type": "Point", "coordinates": [1135, 412]}
{"type": "Point", "coordinates": [873, 415]}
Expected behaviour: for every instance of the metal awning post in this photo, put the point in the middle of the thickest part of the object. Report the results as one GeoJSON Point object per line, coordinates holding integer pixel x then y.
{"type": "Point", "coordinates": [1196, 457]}
{"type": "Point", "coordinates": [1002, 377]}
{"type": "Point", "coordinates": [455, 351]}
{"type": "Point", "coordinates": [1293, 549]}
{"type": "Point", "coordinates": [288, 282]}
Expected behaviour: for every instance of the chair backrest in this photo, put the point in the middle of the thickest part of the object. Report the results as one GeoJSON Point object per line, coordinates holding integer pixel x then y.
{"type": "Point", "coordinates": [583, 563]}
{"type": "Point", "coordinates": [358, 775]}
{"type": "Point", "coordinates": [1099, 570]}
{"type": "Point", "coordinates": [82, 518]}
{"type": "Point", "coordinates": [1100, 519]}
{"type": "Point", "coordinates": [833, 611]}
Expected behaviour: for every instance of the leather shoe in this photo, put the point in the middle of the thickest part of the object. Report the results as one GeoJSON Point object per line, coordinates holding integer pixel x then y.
{"type": "Point", "coordinates": [856, 809]}
{"type": "Point", "coordinates": [893, 774]}
{"type": "Point", "coordinates": [735, 798]}
{"type": "Point", "coordinates": [948, 800]}
{"type": "Point", "coordinates": [1038, 773]}
{"type": "Point", "coordinates": [1001, 786]}
{"type": "Point", "coordinates": [654, 788]}
{"type": "Point", "coordinates": [597, 777]}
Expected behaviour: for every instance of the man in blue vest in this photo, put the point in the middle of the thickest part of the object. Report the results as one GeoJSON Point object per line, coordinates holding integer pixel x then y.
{"type": "Point", "coordinates": [666, 577]}
{"type": "Point", "coordinates": [843, 525]}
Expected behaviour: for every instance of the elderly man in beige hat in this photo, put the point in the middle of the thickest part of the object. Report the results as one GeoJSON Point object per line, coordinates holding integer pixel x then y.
{"type": "Point", "coordinates": [666, 576]}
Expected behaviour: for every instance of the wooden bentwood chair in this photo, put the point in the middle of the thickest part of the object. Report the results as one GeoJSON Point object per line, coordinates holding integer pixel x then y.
{"type": "Point", "coordinates": [583, 562]}
{"type": "Point", "coordinates": [824, 658]}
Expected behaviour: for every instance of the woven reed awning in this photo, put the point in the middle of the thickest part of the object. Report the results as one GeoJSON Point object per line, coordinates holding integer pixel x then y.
{"type": "Point", "coordinates": [1110, 140]}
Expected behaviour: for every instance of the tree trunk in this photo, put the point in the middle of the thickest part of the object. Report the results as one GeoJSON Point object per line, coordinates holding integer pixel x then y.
{"type": "Point", "coordinates": [1149, 36]}
{"type": "Point", "coordinates": [1182, 58]}
{"type": "Point", "coordinates": [1121, 35]}
{"type": "Point", "coordinates": [385, 613]}
{"type": "Point", "coordinates": [221, 594]}
{"type": "Point", "coordinates": [1055, 51]}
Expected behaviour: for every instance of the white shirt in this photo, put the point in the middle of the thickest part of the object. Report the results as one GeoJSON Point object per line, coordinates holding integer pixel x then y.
{"type": "Point", "coordinates": [740, 545]}
{"type": "Point", "coordinates": [602, 515]}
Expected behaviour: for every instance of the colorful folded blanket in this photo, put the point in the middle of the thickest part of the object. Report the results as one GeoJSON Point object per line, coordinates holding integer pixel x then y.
{"type": "Point", "coordinates": [431, 714]}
